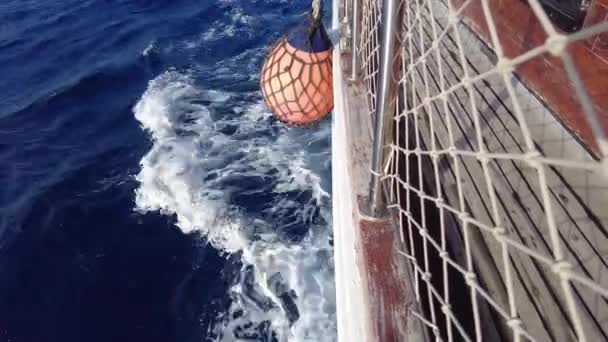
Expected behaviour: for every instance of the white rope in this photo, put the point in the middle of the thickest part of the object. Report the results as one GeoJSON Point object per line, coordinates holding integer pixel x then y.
{"type": "Point", "coordinates": [316, 9]}
{"type": "Point", "coordinates": [486, 161]}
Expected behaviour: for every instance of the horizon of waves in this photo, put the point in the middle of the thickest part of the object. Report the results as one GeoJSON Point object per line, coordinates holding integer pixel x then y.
{"type": "Point", "coordinates": [252, 189]}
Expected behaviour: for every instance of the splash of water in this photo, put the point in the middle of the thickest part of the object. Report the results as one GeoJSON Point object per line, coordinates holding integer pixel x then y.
{"type": "Point", "coordinates": [252, 189]}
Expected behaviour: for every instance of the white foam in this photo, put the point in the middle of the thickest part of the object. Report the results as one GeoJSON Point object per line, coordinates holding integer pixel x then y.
{"type": "Point", "coordinates": [148, 49]}
{"type": "Point", "coordinates": [238, 23]}
{"type": "Point", "coordinates": [186, 173]}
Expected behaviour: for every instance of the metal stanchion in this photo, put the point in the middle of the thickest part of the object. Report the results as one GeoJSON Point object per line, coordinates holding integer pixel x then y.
{"type": "Point", "coordinates": [383, 115]}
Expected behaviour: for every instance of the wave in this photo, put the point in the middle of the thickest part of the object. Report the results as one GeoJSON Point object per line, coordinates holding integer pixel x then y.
{"type": "Point", "coordinates": [252, 188]}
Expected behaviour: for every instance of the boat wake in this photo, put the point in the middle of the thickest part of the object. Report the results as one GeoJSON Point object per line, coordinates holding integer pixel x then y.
{"type": "Point", "coordinates": [221, 165]}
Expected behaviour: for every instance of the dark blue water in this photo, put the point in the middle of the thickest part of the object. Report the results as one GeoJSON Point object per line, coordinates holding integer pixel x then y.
{"type": "Point", "coordinates": [112, 216]}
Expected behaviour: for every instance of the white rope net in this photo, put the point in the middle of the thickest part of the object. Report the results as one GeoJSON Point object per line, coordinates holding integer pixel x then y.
{"type": "Point", "coordinates": [501, 206]}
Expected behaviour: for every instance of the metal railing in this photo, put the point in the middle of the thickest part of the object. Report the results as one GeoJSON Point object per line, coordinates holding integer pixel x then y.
{"type": "Point", "coordinates": [500, 204]}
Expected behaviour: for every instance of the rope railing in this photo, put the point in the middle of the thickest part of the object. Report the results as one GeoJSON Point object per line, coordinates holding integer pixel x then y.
{"type": "Point", "coordinates": [495, 171]}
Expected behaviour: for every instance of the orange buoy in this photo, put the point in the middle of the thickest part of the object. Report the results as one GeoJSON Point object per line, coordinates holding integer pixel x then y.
{"type": "Point", "coordinates": [296, 79]}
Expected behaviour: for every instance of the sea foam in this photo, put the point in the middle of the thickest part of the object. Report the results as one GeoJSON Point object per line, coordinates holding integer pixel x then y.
{"type": "Point", "coordinates": [214, 155]}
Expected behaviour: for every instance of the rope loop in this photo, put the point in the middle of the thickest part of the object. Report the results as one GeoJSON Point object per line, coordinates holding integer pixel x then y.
{"type": "Point", "coordinates": [316, 13]}
{"type": "Point", "coordinates": [315, 23]}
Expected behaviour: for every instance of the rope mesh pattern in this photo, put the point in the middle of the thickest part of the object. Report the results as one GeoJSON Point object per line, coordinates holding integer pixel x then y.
{"type": "Point", "coordinates": [296, 84]}
{"type": "Point", "coordinates": [368, 48]}
{"type": "Point", "coordinates": [501, 210]}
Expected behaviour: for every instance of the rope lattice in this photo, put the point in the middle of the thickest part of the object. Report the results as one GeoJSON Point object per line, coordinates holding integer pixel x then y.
{"type": "Point", "coordinates": [368, 48]}
{"type": "Point", "coordinates": [500, 207]}
{"type": "Point", "coordinates": [297, 85]}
